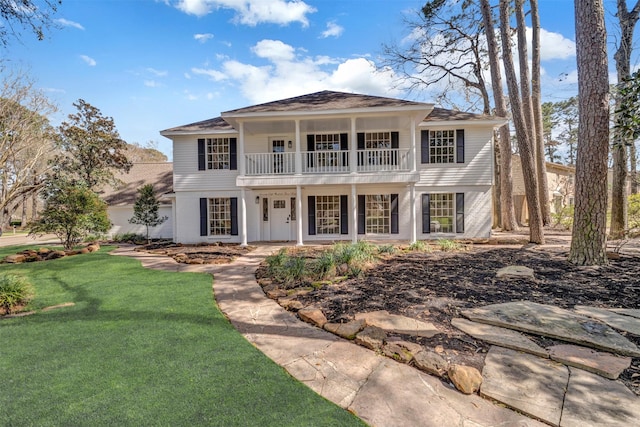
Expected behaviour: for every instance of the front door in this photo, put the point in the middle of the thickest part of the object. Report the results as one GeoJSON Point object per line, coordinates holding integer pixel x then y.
{"type": "Point", "coordinates": [280, 218]}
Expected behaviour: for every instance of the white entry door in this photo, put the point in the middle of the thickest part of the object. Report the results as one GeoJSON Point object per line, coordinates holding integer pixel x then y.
{"type": "Point", "coordinates": [280, 218]}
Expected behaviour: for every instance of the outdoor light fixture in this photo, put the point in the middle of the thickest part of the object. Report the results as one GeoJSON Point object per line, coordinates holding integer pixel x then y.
{"type": "Point", "coordinates": [289, 144]}
{"type": "Point", "coordinates": [257, 200]}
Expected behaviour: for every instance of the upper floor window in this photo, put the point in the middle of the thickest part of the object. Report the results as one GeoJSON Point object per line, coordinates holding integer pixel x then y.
{"type": "Point", "coordinates": [373, 140]}
{"type": "Point", "coordinates": [218, 153]}
{"type": "Point", "coordinates": [442, 146]}
{"type": "Point", "coordinates": [327, 142]}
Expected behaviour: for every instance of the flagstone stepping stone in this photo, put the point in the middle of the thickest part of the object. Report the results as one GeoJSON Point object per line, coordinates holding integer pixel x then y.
{"type": "Point", "coordinates": [499, 336]}
{"type": "Point", "coordinates": [527, 383]}
{"type": "Point", "coordinates": [615, 320]}
{"type": "Point", "coordinates": [346, 330]}
{"type": "Point", "coordinates": [515, 271]}
{"type": "Point", "coordinates": [604, 364]}
{"type": "Point", "coordinates": [595, 401]}
{"type": "Point", "coordinates": [553, 322]}
{"type": "Point", "coordinates": [633, 312]}
{"type": "Point", "coordinates": [393, 323]}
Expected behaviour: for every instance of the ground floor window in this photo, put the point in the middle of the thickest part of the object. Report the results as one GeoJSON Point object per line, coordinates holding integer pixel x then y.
{"type": "Point", "coordinates": [219, 216]}
{"type": "Point", "coordinates": [378, 213]}
{"type": "Point", "coordinates": [328, 214]}
{"type": "Point", "coordinates": [443, 213]}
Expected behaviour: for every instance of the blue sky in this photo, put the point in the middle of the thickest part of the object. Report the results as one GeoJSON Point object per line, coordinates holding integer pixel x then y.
{"type": "Point", "coordinates": [155, 64]}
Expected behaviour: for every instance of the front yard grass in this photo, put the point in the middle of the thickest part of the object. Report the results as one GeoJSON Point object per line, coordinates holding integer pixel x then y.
{"type": "Point", "coordinates": [140, 347]}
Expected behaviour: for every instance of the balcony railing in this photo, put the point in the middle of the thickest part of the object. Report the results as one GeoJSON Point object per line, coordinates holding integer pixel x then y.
{"type": "Point", "coordinates": [328, 162]}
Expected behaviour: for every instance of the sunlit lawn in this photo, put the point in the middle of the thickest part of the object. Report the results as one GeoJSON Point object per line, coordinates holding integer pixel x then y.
{"type": "Point", "coordinates": [140, 347]}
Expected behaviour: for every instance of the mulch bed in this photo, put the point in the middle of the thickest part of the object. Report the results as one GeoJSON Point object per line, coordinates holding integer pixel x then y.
{"type": "Point", "coordinates": [213, 253]}
{"type": "Point", "coordinates": [437, 286]}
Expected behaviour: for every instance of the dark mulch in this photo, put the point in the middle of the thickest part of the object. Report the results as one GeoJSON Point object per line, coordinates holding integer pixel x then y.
{"type": "Point", "coordinates": [437, 286]}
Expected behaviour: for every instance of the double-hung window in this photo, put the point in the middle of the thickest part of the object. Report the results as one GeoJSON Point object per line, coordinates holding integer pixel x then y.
{"type": "Point", "coordinates": [378, 143]}
{"type": "Point", "coordinates": [378, 213]}
{"type": "Point", "coordinates": [443, 213]}
{"type": "Point", "coordinates": [328, 214]}
{"type": "Point", "coordinates": [327, 147]}
{"type": "Point", "coordinates": [218, 150]}
{"type": "Point", "coordinates": [442, 146]}
{"type": "Point", "coordinates": [219, 216]}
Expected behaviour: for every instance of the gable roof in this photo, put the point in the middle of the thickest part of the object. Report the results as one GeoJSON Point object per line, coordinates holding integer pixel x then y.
{"type": "Point", "coordinates": [158, 174]}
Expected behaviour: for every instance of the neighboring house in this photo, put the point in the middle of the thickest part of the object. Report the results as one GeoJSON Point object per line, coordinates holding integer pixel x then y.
{"type": "Point", "coordinates": [560, 181]}
{"type": "Point", "coordinates": [333, 166]}
{"type": "Point", "coordinates": [120, 200]}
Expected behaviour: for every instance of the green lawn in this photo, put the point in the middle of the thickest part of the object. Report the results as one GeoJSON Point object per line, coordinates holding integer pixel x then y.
{"type": "Point", "coordinates": [141, 348]}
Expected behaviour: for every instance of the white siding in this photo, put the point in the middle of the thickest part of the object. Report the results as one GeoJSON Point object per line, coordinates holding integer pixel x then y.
{"type": "Point", "coordinates": [477, 167]}
{"type": "Point", "coordinates": [187, 177]}
{"type": "Point", "coordinates": [120, 215]}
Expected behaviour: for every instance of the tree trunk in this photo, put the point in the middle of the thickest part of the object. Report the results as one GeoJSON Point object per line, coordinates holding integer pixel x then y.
{"type": "Point", "coordinates": [588, 240]}
{"type": "Point", "coordinates": [627, 20]}
{"type": "Point", "coordinates": [507, 209]}
{"type": "Point", "coordinates": [536, 104]}
{"type": "Point", "coordinates": [536, 231]}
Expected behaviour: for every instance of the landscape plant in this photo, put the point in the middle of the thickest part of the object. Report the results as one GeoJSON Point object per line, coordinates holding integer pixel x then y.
{"type": "Point", "coordinates": [634, 211]}
{"type": "Point", "coordinates": [14, 290]}
{"type": "Point", "coordinates": [145, 209]}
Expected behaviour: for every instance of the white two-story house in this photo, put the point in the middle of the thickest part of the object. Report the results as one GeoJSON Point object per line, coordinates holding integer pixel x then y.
{"type": "Point", "coordinates": [333, 166]}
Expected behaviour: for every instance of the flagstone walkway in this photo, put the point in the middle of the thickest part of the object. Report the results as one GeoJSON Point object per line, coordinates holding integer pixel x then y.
{"type": "Point", "coordinates": [384, 392]}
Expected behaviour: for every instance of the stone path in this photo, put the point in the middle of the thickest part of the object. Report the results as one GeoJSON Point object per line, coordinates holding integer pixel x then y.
{"type": "Point", "coordinates": [384, 392]}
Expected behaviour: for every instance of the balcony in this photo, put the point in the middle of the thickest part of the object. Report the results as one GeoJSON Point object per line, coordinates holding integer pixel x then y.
{"type": "Point", "coordinates": [328, 162]}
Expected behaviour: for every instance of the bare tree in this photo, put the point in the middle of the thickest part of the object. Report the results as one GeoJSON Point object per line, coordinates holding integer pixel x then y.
{"type": "Point", "coordinates": [536, 105]}
{"type": "Point", "coordinates": [588, 242]}
{"type": "Point", "coordinates": [627, 20]}
{"type": "Point", "coordinates": [536, 231]}
{"type": "Point", "coordinates": [507, 210]}
{"type": "Point", "coordinates": [29, 14]}
{"type": "Point", "coordinates": [26, 141]}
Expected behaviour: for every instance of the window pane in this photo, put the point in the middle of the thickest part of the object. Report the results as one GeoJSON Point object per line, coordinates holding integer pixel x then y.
{"type": "Point", "coordinates": [441, 210]}
{"type": "Point", "coordinates": [327, 214]}
{"type": "Point", "coordinates": [217, 153]}
{"type": "Point", "coordinates": [378, 213]}
{"type": "Point", "coordinates": [442, 146]}
{"type": "Point", "coordinates": [220, 216]}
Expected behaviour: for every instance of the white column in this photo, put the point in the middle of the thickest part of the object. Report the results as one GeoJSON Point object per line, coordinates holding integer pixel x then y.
{"type": "Point", "coordinates": [413, 151]}
{"type": "Point", "coordinates": [412, 213]}
{"type": "Point", "coordinates": [354, 214]}
{"type": "Point", "coordinates": [241, 160]}
{"type": "Point", "coordinates": [243, 214]}
{"type": "Point", "coordinates": [353, 153]}
{"type": "Point", "coordinates": [299, 214]}
{"type": "Point", "coordinates": [298, 158]}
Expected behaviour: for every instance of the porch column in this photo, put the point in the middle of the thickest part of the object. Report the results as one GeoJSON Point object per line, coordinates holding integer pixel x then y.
{"type": "Point", "coordinates": [412, 212]}
{"type": "Point", "coordinates": [354, 214]}
{"type": "Point", "coordinates": [299, 214]}
{"type": "Point", "coordinates": [241, 160]}
{"type": "Point", "coordinates": [413, 152]}
{"type": "Point", "coordinates": [353, 153]}
{"type": "Point", "coordinates": [298, 158]}
{"type": "Point", "coordinates": [243, 214]}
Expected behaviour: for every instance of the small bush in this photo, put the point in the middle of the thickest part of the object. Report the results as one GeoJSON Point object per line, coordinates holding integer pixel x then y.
{"type": "Point", "coordinates": [387, 249]}
{"type": "Point", "coordinates": [294, 269]}
{"type": "Point", "coordinates": [563, 219]}
{"type": "Point", "coordinates": [324, 265]}
{"type": "Point", "coordinates": [447, 245]}
{"type": "Point", "coordinates": [14, 290]}
{"type": "Point", "coordinates": [129, 237]}
{"type": "Point", "coordinates": [275, 262]}
{"type": "Point", "coordinates": [420, 246]}
{"type": "Point", "coordinates": [634, 211]}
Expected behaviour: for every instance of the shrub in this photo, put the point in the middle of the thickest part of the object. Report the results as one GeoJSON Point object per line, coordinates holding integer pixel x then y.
{"type": "Point", "coordinates": [128, 237]}
{"type": "Point", "coordinates": [564, 218]}
{"type": "Point", "coordinates": [14, 290]}
{"type": "Point", "coordinates": [447, 245]}
{"type": "Point", "coordinates": [275, 262]}
{"type": "Point", "coordinates": [324, 265]}
{"type": "Point", "coordinates": [634, 211]}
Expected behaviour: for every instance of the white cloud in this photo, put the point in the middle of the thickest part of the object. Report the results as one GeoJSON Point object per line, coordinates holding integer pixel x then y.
{"type": "Point", "coordinates": [212, 74]}
{"type": "Point", "coordinates": [158, 73]}
{"type": "Point", "coordinates": [553, 45]}
{"type": "Point", "coordinates": [67, 23]}
{"type": "Point", "coordinates": [151, 83]}
{"type": "Point", "coordinates": [203, 38]}
{"type": "Point", "coordinates": [88, 60]}
{"type": "Point", "coordinates": [290, 74]}
{"type": "Point", "coordinates": [252, 12]}
{"type": "Point", "coordinates": [333, 30]}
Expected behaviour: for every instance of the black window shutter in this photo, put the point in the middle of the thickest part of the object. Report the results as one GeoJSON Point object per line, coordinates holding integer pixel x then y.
{"type": "Point", "coordinates": [233, 154]}
{"type": "Point", "coordinates": [311, 146]}
{"type": "Point", "coordinates": [344, 215]}
{"type": "Point", "coordinates": [426, 214]}
{"type": "Point", "coordinates": [360, 147]}
{"type": "Point", "coordinates": [460, 146]}
{"type": "Point", "coordinates": [202, 155]}
{"type": "Point", "coordinates": [394, 214]}
{"type": "Point", "coordinates": [344, 146]}
{"type": "Point", "coordinates": [459, 212]}
{"type": "Point", "coordinates": [312, 215]}
{"type": "Point", "coordinates": [424, 146]}
{"type": "Point", "coordinates": [204, 219]}
{"type": "Point", "coordinates": [395, 139]}
{"type": "Point", "coordinates": [361, 214]}
{"type": "Point", "coordinates": [234, 216]}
